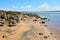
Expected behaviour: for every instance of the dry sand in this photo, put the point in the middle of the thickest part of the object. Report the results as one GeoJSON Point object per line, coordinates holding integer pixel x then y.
{"type": "Point", "coordinates": [26, 29]}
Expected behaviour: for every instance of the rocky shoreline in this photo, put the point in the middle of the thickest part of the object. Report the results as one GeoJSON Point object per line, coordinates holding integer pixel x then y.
{"type": "Point", "coordinates": [20, 26]}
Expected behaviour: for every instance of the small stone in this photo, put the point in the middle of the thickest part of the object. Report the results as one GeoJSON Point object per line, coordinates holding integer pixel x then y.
{"type": "Point", "coordinates": [51, 33]}
{"type": "Point", "coordinates": [48, 36]}
{"type": "Point", "coordinates": [34, 20]}
{"type": "Point", "coordinates": [4, 36]}
{"type": "Point", "coordinates": [43, 22]}
{"type": "Point", "coordinates": [49, 19]}
{"type": "Point", "coordinates": [45, 37]}
{"type": "Point", "coordinates": [40, 33]}
{"type": "Point", "coordinates": [1, 24]}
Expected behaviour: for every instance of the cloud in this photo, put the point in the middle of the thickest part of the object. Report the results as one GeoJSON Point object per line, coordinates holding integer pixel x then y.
{"type": "Point", "coordinates": [18, 8]}
{"type": "Point", "coordinates": [45, 5]}
{"type": "Point", "coordinates": [4, 8]}
{"type": "Point", "coordinates": [55, 8]}
{"type": "Point", "coordinates": [22, 7]}
{"type": "Point", "coordinates": [14, 7]}
{"type": "Point", "coordinates": [29, 6]}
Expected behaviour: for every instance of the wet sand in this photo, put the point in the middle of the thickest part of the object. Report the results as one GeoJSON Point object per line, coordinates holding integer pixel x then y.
{"type": "Point", "coordinates": [54, 23]}
{"type": "Point", "coordinates": [54, 30]}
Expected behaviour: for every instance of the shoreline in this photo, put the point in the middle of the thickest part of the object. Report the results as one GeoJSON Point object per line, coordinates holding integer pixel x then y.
{"type": "Point", "coordinates": [23, 27]}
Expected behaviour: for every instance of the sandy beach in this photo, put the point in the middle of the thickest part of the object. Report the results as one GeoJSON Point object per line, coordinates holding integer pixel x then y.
{"type": "Point", "coordinates": [28, 27]}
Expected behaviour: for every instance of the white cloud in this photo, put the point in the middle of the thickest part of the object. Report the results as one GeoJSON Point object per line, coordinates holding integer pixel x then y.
{"type": "Point", "coordinates": [22, 7]}
{"type": "Point", "coordinates": [55, 8]}
{"type": "Point", "coordinates": [14, 7]}
{"type": "Point", "coordinates": [45, 5]}
{"type": "Point", "coordinates": [29, 6]}
{"type": "Point", "coordinates": [3, 8]}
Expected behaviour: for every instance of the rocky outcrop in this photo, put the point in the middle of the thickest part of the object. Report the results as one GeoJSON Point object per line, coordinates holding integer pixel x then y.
{"type": "Point", "coordinates": [12, 18]}
{"type": "Point", "coordinates": [9, 18]}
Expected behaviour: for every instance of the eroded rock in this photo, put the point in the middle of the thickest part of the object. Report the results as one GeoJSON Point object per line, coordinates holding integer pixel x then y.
{"type": "Point", "coordinates": [10, 18]}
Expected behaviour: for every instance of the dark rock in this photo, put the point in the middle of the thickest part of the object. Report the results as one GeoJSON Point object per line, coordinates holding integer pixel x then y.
{"type": "Point", "coordinates": [51, 33]}
{"type": "Point", "coordinates": [34, 20]}
{"type": "Point", "coordinates": [48, 19]}
{"type": "Point", "coordinates": [11, 25]}
{"type": "Point", "coordinates": [11, 22]}
{"type": "Point", "coordinates": [1, 23]}
{"type": "Point", "coordinates": [48, 36]}
{"type": "Point", "coordinates": [45, 37]}
{"type": "Point", "coordinates": [40, 33]}
{"type": "Point", "coordinates": [4, 36]}
{"type": "Point", "coordinates": [43, 22]}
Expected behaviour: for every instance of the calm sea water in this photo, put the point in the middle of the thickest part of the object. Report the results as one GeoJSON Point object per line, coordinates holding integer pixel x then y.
{"type": "Point", "coordinates": [54, 23]}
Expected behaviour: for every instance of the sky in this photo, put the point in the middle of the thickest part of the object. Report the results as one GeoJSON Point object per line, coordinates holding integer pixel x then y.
{"type": "Point", "coordinates": [30, 5]}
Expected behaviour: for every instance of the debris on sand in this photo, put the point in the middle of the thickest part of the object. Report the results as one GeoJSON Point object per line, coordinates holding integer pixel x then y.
{"type": "Point", "coordinates": [44, 18]}
{"type": "Point", "coordinates": [45, 37]}
{"type": "Point", "coordinates": [40, 33]}
{"type": "Point", "coordinates": [43, 22]}
{"type": "Point", "coordinates": [51, 33]}
{"type": "Point", "coordinates": [4, 36]}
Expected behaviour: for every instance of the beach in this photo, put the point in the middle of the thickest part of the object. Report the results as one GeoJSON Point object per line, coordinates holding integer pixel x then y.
{"type": "Point", "coordinates": [28, 27]}
{"type": "Point", "coordinates": [54, 23]}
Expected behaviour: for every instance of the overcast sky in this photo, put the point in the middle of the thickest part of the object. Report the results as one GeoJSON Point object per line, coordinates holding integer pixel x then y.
{"type": "Point", "coordinates": [30, 5]}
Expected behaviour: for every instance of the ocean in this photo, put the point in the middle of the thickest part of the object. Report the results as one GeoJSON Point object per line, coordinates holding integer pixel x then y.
{"type": "Point", "coordinates": [54, 23]}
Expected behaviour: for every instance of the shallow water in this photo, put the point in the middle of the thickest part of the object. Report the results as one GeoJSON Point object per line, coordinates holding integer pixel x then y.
{"type": "Point", "coordinates": [54, 23]}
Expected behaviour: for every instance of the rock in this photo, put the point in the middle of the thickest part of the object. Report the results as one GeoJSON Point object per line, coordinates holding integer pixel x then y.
{"type": "Point", "coordinates": [48, 19]}
{"type": "Point", "coordinates": [1, 24]}
{"type": "Point", "coordinates": [11, 25]}
{"type": "Point", "coordinates": [4, 36]}
{"type": "Point", "coordinates": [43, 22]}
{"type": "Point", "coordinates": [51, 33]}
{"type": "Point", "coordinates": [45, 37]}
{"type": "Point", "coordinates": [35, 20]}
{"type": "Point", "coordinates": [40, 33]}
{"type": "Point", "coordinates": [48, 35]}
